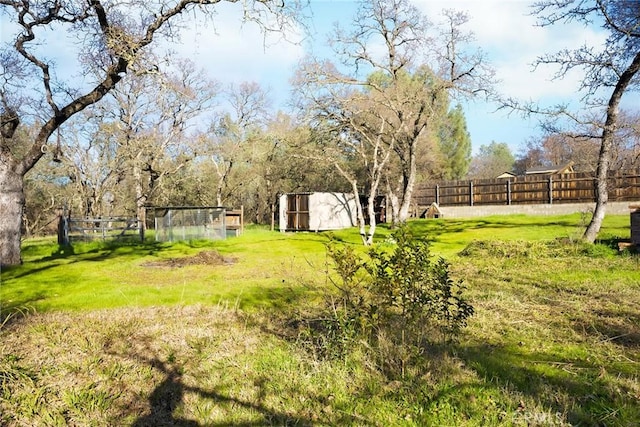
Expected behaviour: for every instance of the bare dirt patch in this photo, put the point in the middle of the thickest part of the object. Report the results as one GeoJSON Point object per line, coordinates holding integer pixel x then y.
{"type": "Point", "coordinates": [202, 258]}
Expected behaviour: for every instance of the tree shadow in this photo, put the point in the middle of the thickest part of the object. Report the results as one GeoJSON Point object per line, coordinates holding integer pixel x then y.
{"type": "Point", "coordinates": [622, 329]}
{"type": "Point", "coordinates": [164, 399]}
{"type": "Point", "coordinates": [69, 254]}
{"type": "Point", "coordinates": [168, 396]}
{"type": "Point", "coordinates": [19, 302]}
{"type": "Point", "coordinates": [586, 394]}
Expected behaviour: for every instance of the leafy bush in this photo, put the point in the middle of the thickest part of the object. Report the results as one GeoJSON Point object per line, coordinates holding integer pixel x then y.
{"type": "Point", "coordinates": [395, 299]}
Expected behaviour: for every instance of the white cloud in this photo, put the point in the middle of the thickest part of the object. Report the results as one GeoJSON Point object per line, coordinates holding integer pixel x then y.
{"type": "Point", "coordinates": [507, 32]}
{"type": "Point", "coordinates": [232, 52]}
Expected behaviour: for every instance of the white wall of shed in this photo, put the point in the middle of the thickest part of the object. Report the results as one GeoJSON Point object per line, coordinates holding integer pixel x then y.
{"type": "Point", "coordinates": [332, 211]}
{"type": "Point", "coordinates": [327, 211]}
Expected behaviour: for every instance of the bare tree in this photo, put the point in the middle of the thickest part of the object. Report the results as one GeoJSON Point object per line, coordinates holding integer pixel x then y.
{"type": "Point", "coordinates": [112, 37]}
{"type": "Point", "coordinates": [235, 131]}
{"type": "Point", "coordinates": [345, 132]}
{"type": "Point", "coordinates": [153, 116]}
{"type": "Point", "coordinates": [627, 142]}
{"type": "Point", "coordinates": [88, 152]}
{"type": "Point", "coordinates": [610, 71]}
{"type": "Point", "coordinates": [409, 75]}
{"type": "Point", "coordinates": [559, 148]}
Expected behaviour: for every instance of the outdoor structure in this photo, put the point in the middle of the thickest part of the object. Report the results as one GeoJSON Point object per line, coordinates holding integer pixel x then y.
{"type": "Point", "coordinates": [173, 223]}
{"type": "Point", "coordinates": [551, 170]}
{"type": "Point", "coordinates": [317, 211]}
{"type": "Point", "coordinates": [432, 211]}
{"type": "Point", "coordinates": [506, 175]}
{"type": "Point", "coordinates": [532, 189]}
{"type": "Point", "coordinates": [635, 224]}
{"type": "Point", "coordinates": [72, 229]}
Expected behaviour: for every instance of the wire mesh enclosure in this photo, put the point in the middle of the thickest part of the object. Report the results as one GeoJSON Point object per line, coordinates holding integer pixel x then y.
{"type": "Point", "coordinates": [189, 223]}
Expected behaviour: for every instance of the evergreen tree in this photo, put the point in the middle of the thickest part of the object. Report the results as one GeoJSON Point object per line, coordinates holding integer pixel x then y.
{"type": "Point", "coordinates": [455, 145]}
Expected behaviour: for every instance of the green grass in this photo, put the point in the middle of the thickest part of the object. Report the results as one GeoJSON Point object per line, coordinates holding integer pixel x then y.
{"type": "Point", "coordinates": [103, 335]}
{"type": "Point", "coordinates": [268, 268]}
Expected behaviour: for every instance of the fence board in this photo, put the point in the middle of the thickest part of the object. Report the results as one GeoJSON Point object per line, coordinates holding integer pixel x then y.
{"type": "Point", "coordinates": [530, 189]}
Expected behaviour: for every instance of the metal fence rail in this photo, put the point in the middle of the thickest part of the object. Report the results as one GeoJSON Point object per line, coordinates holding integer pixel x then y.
{"type": "Point", "coordinates": [83, 229]}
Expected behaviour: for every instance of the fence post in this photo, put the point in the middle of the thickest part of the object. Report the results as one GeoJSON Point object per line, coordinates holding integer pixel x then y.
{"type": "Point", "coordinates": [470, 193]}
{"type": "Point", "coordinates": [438, 194]}
{"type": "Point", "coordinates": [550, 190]}
{"type": "Point", "coordinates": [508, 191]}
{"type": "Point", "coordinates": [63, 230]}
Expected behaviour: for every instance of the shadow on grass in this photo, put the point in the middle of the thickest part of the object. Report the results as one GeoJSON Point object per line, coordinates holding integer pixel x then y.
{"type": "Point", "coordinates": [168, 396]}
{"type": "Point", "coordinates": [280, 299]}
{"type": "Point", "coordinates": [622, 329]}
{"type": "Point", "coordinates": [19, 302]}
{"type": "Point", "coordinates": [576, 388]}
{"type": "Point", "coordinates": [95, 252]}
{"type": "Point", "coordinates": [435, 228]}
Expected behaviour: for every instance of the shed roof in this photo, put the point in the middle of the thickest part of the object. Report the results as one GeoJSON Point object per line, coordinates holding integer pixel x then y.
{"type": "Point", "coordinates": [549, 170]}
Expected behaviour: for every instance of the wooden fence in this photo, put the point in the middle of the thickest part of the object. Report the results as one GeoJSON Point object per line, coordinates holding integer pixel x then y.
{"type": "Point", "coordinates": [532, 189]}
{"type": "Point", "coordinates": [104, 228]}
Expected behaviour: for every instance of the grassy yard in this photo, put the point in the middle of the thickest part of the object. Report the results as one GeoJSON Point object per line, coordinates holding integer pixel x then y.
{"type": "Point", "coordinates": [197, 333]}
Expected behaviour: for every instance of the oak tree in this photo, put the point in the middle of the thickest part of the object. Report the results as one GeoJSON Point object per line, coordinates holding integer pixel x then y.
{"type": "Point", "coordinates": [111, 37]}
{"type": "Point", "coordinates": [609, 71]}
{"type": "Point", "coordinates": [389, 87]}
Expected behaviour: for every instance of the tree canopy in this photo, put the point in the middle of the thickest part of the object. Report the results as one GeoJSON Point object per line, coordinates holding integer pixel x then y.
{"type": "Point", "coordinates": [455, 145]}
{"type": "Point", "coordinates": [111, 39]}
{"type": "Point", "coordinates": [492, 160]}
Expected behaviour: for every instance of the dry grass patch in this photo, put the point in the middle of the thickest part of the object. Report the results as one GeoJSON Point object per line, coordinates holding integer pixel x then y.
{"type": "Point", "coordinates": [154, 366]}
{"type": "Point", "coordinates": [168, 366]}
{"type": "Point", "coordinates": [557, 323]}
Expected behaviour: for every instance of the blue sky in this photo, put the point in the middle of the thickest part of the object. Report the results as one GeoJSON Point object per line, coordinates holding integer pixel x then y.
{"type": "Point", "coordinates": [504, 30]}
{"type": "Point", "coordinates": [233, 53]}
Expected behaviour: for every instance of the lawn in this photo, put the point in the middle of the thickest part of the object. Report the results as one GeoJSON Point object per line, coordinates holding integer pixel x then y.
{"type": "Point", "coordinates": [198, 333]}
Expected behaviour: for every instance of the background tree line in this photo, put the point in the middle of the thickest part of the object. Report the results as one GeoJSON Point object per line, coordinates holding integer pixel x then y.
{"type": "Point", "coordinates": [136, 149]}
{"type": "Point", "coordinates": [377, 118]}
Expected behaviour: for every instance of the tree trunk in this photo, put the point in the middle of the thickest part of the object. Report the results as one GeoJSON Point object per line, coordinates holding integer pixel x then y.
{"type": "Point", "coordinates": [359, 213]}
{"type": "Point", "coordinates": [11, 209]}
{"type": "Point", "coordinates": [141, 197]}
{"type": "Point", "coordinates": [371, 211]}
{"type": "Point", "coordinates": [392, 199]}
{"type": "Point", "coordinates": [604, 158]}
{"type": "Point", "coordinates": [409, 181]}
{"type": "Point", "coordinates": [371, 208]}
{"type": "Point", "coordinates": [602, 190]}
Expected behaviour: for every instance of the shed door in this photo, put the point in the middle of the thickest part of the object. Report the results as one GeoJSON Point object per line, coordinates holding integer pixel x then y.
{"type": "Point", "coordinates": [298, 212]}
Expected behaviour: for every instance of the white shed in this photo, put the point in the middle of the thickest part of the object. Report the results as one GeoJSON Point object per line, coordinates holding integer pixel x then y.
{"type": "Point", "coordinates": [317, 211]}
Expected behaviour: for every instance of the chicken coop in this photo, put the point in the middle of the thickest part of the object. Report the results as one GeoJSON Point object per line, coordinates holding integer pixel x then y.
{"type": "Point", "coordinates": [177, 223]}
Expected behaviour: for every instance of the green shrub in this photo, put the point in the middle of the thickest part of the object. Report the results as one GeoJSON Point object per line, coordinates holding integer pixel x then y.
{"type": "Point", "coordinates": [395, 299]}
